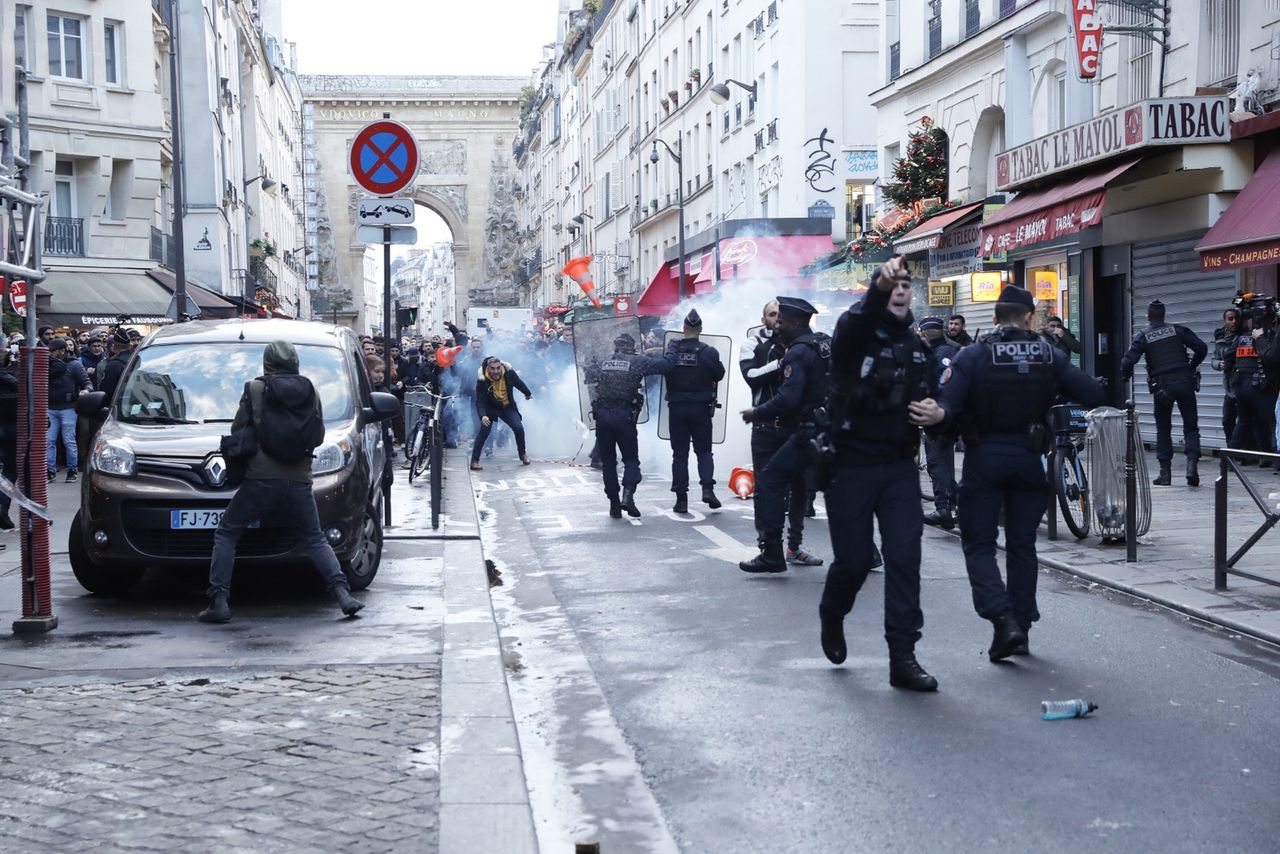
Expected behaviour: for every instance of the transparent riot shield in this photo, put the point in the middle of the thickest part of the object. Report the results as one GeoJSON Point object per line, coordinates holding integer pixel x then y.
{"type": "Point", "coordinates": [592, 344]}
{"type": "Point", "coordinates": [720, 417]}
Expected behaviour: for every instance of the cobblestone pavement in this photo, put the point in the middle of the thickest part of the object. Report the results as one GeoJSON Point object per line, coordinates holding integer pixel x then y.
{"type": "Point", "coordinates": [341, 758]}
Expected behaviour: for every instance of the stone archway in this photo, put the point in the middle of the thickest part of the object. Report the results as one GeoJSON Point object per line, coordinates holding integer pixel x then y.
{"type": "Point", "coordinates": [464, 127]}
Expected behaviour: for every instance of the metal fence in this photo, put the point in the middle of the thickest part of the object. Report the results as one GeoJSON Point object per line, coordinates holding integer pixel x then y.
{"type": "Point", "coordinates": [1229, 459]}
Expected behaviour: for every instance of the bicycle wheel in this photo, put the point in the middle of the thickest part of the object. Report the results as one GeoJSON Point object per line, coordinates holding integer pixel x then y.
{"type": "Point", "coordinates": [410, 449]}
{"type": "Point", "coordinates": [421, 456]}
{"type": "Point", "coordinates": [1072, 486]}
{"type": "Point", "coordinates": [437, 477]}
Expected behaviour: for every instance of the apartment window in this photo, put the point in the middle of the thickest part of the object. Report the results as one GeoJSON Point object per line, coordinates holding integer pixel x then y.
{"type": "Point", "coordinates": [66, 51]}
{"type": "Point", "coordinates": [118, 194]}
{"type": "Point", "coordinates": [1136, 55]}
{"type": "Point", "coordinates": [972, 18]}
{"type": "Point", "coordinates": [113, 51]}
{"type": "Point", "coordinates": [935, 28]}
{"type": "Point", "coordinates": [64, 189]}
{"type": "Point", "coordinates": [1060, 101]}
{"type": "Point", "coordinates": [1223, 28]}
{"type": "Point", "coordinates": [21, 38]}
{"type": "Point", "coordinates": [1008, 7]}
{"type": "Point", "coordinates": [895, 60]}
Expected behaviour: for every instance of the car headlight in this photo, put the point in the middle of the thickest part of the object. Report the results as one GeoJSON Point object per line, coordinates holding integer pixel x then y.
{"type": "Point", "coordinates": [331, 457]}
{"type": "Point", "coordinates": [114, 456]}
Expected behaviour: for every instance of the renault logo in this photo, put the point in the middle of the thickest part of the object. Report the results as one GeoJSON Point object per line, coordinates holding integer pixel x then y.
{"type": "Point", "coordinates": [215, 470]}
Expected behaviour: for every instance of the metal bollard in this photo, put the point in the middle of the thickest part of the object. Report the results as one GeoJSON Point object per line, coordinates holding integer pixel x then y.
{"type": "Point", "coordinates": [1220, 522]}
{"type": "Point", "coordinates": [1130, 483]}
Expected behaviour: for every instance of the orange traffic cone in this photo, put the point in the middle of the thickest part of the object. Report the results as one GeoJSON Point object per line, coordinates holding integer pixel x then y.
{"type": "Point", "coordinates": [742, 482]}
{"type": "Point", "coordinates": [579, 269]}
{"type": "Point", "coordinates": [446, 355]}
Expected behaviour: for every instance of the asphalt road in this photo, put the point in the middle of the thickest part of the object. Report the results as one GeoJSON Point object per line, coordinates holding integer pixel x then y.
{"type": "Point", "coordinates": [669, 701]}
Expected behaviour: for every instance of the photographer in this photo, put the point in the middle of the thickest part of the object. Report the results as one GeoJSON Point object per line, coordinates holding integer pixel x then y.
{"type": "Point", "coordinates": [1254, 368]}
{"type": "Point", "coordinates": [1224, 340]}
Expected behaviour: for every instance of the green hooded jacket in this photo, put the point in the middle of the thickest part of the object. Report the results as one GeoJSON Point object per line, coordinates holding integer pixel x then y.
{"type": "Point", "coordinates": [279, 357]}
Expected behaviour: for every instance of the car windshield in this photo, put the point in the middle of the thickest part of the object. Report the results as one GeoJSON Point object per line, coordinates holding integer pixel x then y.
{"type": "Point", "coordinates": [202, 383]}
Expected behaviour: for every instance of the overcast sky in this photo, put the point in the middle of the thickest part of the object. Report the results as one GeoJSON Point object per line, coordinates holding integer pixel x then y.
{"type": "Point", "coordinates": [419, 36]}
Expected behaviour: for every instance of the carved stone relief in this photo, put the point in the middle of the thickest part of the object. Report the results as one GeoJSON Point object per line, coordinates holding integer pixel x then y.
{"type": "Point", "coordinates": [501, 236]}
{"type": "Point", "coordinates": [443, 157]}
{"type": "Point", "coordinates": [455, 195]}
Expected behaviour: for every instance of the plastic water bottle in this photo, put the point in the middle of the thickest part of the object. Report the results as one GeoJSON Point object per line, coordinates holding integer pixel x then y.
{"type": "Point", "coordinates": [1056, 710]}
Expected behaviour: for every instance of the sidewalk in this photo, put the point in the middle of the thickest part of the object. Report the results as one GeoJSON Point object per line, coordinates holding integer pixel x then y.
{"type": "Point", "coordinates": [1175, 558]}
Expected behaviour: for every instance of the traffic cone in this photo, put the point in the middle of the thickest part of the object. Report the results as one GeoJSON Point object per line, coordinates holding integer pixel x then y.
{"type": "Point", "coordinates": [446, 355]}
{"type": "Point", "coordinates": [742, 482]}
{"type": "Point", "coordinates": [579, 269]}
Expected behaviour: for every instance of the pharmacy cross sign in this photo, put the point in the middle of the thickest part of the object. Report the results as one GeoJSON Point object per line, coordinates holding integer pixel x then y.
{"type": "Point", "coordinates": [384, 157]}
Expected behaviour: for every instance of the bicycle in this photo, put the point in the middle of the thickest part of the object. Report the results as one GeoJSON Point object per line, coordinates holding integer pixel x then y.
{"type": "Point", "coordinates": [1067, 469]}
{"type": "Point", "coordinates": [425, 443]}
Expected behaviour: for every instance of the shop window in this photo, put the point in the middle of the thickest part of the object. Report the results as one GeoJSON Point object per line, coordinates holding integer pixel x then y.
{"type": "Point", "coordinates": [856, 210]}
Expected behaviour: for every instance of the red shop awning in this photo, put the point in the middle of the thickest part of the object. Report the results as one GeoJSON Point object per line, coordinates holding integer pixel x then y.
{"type": "Point", "coordinates": [928, 234]}
{"type": "Point", "coordinates": [663, 293]}
{"type": "Point", "coordinates": [1040, 215]}
{"type": "Point", "coordinates": [1248, 233]}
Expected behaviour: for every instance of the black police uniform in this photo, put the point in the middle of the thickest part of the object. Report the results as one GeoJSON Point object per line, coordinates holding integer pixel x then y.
{"type": "Point", "coordinates": [1170, 375]}
{"type": "Point", "coordinates": [616, 401]}
{"type": "Point", "coordinates": [879, 365]}
{"type": "Point", "coordinates": [1253, 364]}
{"type": "Point", "coordinates": [694, 370]}
{"type": "Point", "coordinates": [940, 451]}
{"type": "Point", "coordinates": [791, 409]}
{"type": "Point", "coordinates": [999, 393]}
{"type": "Point", "coordinates": [761, 367]}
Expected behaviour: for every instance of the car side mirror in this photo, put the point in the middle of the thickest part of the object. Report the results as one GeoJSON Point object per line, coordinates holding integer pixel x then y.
{"type": "Point", "coordinates": [92, 405]}
{"type": "Point", "coordinates": [382, 406]}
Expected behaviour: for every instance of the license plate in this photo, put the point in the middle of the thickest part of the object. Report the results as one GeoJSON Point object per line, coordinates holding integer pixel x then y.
{"type": "Point", "coordinates": [196, 520]}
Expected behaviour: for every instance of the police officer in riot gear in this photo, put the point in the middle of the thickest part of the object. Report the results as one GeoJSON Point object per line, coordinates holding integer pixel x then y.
{"type": "Point", "coordinates": [792, 409]}
{"type": "Point", "coordinates": [1171, 377]}
{"type": "Point", "coordinates": [617, 396]}
{"type": "Point", "coordinates": [1253, 365]}
{"type": "Point", "coordinates": [693, 371]}
{"type": "Point", "coordinates": [998, 395]}
{"type": "Point", "coordinates": [878, 366]}
{"type": "Point", "coordinates": [939, 451]}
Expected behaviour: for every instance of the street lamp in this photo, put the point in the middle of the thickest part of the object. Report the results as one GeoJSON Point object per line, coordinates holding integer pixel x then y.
{"type": "Point", "coordinates": [268, 186]}
{"type": "Point", "coordinates": [720, 91]}
{"type": "Point", "coordinates": [675, 155]}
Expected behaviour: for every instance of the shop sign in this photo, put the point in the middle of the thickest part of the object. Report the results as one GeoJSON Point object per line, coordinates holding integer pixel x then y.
{"type": "Point", "coordinates": [988, 212]}
{"type": "Point", "coordinates": [1156, 122]}
{"type": "Point", "coordinates": [1069, 217]}
{"type": "Point", "coordinates": [622, 306]}
{"type": "Point", "coordinates": [1235, 257]}
{"type": "Point", "coordinates": [957, 252]}
{"type": "Point", "coordinates": [1087, 24]}
{"type": "Point", "coordinates": [853, 278]}
{"type": "Point", "coordinates": [986, 286]}
{"type": "Point", "coordinates": [941, 293]}
{"type": "Point", "coordinates": [1046, 285]}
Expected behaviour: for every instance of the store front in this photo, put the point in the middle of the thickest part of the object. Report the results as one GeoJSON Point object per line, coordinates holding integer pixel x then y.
{"type": "Point", "coordinates": [89, 299]}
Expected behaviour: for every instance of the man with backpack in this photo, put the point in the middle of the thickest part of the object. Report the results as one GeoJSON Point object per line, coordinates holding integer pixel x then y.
{"type": "Point", "coordinates": [279, 413]}
{"type": "Point", "coordinates": [67, 381]}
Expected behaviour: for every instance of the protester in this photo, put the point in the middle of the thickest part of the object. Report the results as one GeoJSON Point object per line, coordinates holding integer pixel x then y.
{"type": "Point", "coordinates": [495, 400]}
{"type": "Point", "coordinates": [67, 381]}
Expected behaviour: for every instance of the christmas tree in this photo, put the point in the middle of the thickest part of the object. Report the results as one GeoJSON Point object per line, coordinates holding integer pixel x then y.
{"type": "Point", "coordinates": [922, 173]}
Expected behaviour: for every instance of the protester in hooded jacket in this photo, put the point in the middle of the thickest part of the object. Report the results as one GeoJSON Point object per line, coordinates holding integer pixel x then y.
{"type": "Point", "coordinates": [495, 399]}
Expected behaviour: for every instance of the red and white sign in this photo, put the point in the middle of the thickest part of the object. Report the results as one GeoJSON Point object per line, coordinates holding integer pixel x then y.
{"type": "Point", "coordinates": [384, 157]}
{"type": "Point", "coordinates": [1088, 28]}
{"type": "Point", "coordinates": [622, 305]}
{"type": "Point", "coordinates": [1069, 217]}
{"type": "Point", "coordinates": [1160, 121]}
{"type": "Point", "coordinates": [18, 296]}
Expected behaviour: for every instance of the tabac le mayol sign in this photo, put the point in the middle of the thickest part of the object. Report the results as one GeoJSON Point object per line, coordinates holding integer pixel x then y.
{"type": "Point", "coordinates": [1160, 121]}
{"type": "Point", "coordinates": [1088, 30]}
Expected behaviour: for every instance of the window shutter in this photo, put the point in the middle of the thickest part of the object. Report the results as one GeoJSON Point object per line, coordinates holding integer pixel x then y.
{"type": "Point", "coordinates": [615, 186]}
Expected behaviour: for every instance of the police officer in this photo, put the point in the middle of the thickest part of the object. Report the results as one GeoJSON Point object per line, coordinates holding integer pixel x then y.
{"type": "Point", "coordinates": [939, 451]}
{"type": "Point", "coordinates": [878, 366]}
{"type": "Point", "coordinates": [761, 366]}
{"type": "Point", "coordinates": [1170, 376]}
{"type": "Point", "coordinates": [617, 397]}
{"type": "Point", "coordinates": [1253, 364]}
{"type": "Point", "coordinates": [694, 369]}
{"type": "Point", "coordinates": [998, 394]}
{"type": "Point", "coordinates": [791, 409]}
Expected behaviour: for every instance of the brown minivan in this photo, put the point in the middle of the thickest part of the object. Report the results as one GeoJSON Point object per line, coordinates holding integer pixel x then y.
{"type": "Point", "coordinates": [155, 483]}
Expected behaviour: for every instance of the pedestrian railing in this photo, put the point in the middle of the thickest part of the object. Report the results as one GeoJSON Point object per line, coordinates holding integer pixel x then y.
{"type": "Point", "coordinates": [1223, 566]}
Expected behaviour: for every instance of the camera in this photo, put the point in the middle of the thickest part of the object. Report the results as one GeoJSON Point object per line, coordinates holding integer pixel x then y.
{"type": "Point", "coordinates": [1260, 309]}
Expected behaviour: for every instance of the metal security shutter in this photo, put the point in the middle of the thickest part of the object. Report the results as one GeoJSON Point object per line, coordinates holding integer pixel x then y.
{"type": "Point", "coordinates": [1170, 271]}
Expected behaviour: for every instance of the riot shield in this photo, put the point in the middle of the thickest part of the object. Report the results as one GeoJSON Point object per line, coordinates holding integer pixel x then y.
{"type": "Point", "coordinates": [592, 344]}
{"type": "Point", "coordinates": [720, 416]}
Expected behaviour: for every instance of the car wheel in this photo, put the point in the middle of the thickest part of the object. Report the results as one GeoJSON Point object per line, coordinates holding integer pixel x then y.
{"type": "Point", "coordinates": [362, 565]}
{"type": "Point", "coordinates": [102, 580]}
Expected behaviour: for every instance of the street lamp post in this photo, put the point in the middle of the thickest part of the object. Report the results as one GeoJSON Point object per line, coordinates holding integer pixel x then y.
{"type": "Point", "coordinates": [676, 156]}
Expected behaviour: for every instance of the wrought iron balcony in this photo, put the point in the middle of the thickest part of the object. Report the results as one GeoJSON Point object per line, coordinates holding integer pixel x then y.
{"type": "Point", "coordinates": [759, 140]}
{"type": "Point", "coordinates": [895, 60]}
{"type": "Point", "coordinates": [773, 131]}
{"type": "Point", "coordinates": [935, 36]}
{"type": "Point", "coordinates": [1008, 7]}
{"type": "Point", "coordinates": [64, 235]}
{"type": "Point", "coordinates": [972, 18]}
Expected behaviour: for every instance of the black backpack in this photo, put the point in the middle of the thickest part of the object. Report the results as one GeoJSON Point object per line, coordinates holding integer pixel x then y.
{"type": "Point", "coordinates": [289, 427]}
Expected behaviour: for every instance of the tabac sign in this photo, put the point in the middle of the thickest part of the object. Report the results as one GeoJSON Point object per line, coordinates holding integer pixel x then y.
{"type": "Point", "coordinates": [1087, 24]}
{"type": "Point", "coordinates": [1157, 122]}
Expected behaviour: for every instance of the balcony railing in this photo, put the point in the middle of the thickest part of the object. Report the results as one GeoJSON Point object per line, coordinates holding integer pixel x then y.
{"type": "Point", "coordinates": [773, 131]}
{"type": "Point", "coordinates": [759, 140]}
{"type": "Point", "coordinates": [972, 18]}
{"type": "Point", "coordinates": [737, 113]}
{"type": "Point", "coordinates": [935, 37]}
{"type": "Point", "coordinates": [726, 121]}
{"type": "Point", "coordinates": [895, 60]}
{"type": "Point", "coordinates": [1008, 7]}
{"type": "Point", "coordinates": [64, 235]}
{"type": "Point", "coordinates": [773, 13]}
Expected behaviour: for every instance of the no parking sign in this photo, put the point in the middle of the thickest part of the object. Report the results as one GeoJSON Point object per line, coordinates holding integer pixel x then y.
{"type": "Point", "coordinates": [384, 157]}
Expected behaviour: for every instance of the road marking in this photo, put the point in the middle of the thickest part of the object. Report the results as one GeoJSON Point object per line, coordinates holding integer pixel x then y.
{"type": "Point", "coordinates": [556, 523]}
{"type": "Point", "coordinates": [727, 548]}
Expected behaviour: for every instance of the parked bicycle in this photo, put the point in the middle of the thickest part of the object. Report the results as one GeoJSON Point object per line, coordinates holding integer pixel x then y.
{"type": "Point", "coordinates": [1067, 469]}
{"type": "Point", "coordinates": [424, 445]}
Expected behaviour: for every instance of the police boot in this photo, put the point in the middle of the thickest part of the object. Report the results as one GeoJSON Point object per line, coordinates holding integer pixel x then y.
{"type": "Point", "coordinates": [1193, 471]}
{"type": "Point", "coordinates": [219, 610]}
{"type": "Point", "coordinates": [349, 604]}
{"type": "Point", "coordinates": [770, 559]}
{"type": "Point", "coordinates": [682, 503]}
{"type": "Point", "coordinates": [833, 645]}
{"type": "Point", "coordinates": [1024, 648]}
{"type": "Point", "coordinates": [615, 507]}
{"type": "Point", "coordinates": [940, 519]}
{"type": "Point", "coordinates": [906, 672]}
{"type": "Point", "coordinates": [709, 498]}
{"type": "Point", "coordinates": [1007, 638]}
{"type": "Point", "coordinates": [1166, 475]}
{"type": "Point", "coordinates": [629, 502]}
